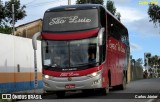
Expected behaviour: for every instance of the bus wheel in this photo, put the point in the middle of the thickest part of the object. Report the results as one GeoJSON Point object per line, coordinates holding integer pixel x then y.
{"type": "Point", "coordinates": [123, 85]}
{"type": "Point", "coordinates": [60, 94]}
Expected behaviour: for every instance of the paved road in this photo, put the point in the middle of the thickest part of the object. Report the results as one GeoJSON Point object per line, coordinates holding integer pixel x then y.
{"type": "Point", "coordinates": [140, 88]}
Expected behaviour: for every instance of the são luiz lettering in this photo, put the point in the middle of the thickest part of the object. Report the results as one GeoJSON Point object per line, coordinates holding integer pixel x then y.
{"type": "Point", "coordinates": [72, 19]}
{"type": "Point", "coordinates": [146, 96]}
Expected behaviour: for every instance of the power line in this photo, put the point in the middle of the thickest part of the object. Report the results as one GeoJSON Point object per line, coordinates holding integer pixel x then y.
{"type": "Point", "coordinates": [30, 2]}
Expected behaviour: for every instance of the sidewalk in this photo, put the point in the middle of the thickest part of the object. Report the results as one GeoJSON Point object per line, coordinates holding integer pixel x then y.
{"type": "Point", "coordinates": [35, 91]}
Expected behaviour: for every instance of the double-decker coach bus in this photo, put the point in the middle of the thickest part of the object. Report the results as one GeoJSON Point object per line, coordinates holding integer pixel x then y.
{"type": "Point", "coordinates": [84, 47]}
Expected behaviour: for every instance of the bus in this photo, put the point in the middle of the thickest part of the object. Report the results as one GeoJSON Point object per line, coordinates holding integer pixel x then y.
{"type": "Point", "coordinates": [84, 47]}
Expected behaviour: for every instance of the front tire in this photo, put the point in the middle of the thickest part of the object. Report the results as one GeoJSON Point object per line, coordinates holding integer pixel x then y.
{"type": "Point", "coordinates": [105, 90]}
{"type": "Point", "coordinates": [123, 85]}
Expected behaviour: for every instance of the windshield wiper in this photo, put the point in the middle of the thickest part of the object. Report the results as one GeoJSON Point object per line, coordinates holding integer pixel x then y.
{"type": "Point", "coordinates": [91, 63]}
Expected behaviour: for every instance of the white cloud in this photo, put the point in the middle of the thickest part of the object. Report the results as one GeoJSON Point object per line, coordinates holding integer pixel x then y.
{"type": "Point", "coordinates": [119, 2]}
{"type": "Point", "coordinates": [129, 14]}
{"type": "Point", "coordinates": [144, 27]}
{"type": "Point", "coordinates": [137, 21]}
{"type": "Point", "coordinates": [122, 2]}
{"type": "Point", "coordinates": [135, 47]}
{"type": "Point", "coordinates": [35, 10]}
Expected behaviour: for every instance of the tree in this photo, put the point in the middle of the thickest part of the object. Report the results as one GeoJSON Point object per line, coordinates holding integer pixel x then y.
{"type": "Point", "coordinates": [90, 1]}
{"type": "Point", "coordinates": [5, 29]}
{"type": "Point", "coordinates": [139, 61]}
{"type": "Point", "coordinates": [110, 7]}
{"type": "Point", "coordinates": [148, 55]}
{"type": "Point", "coordinates": [20, 13]}
{"type": "Point", "coordinates": [153, 61]}
{"type": "Point", "coordinates": [6, 14]}
{"type": "Point", "coordinates": [159, 62]}
{"type": "Point", "coordinates": [154, 13]}
{"type": "Point", "coordinates": [118, 15]}
{"type": "Point", "coordinates": [1, 11]}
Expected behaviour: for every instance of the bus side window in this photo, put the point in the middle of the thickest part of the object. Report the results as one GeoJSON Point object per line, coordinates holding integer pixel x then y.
{"type": "Point", "coordinates": [113, 28]}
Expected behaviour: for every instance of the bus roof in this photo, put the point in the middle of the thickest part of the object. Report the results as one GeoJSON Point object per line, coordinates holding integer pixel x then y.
{"type": "Point", "coordinates": [73, 7]}
{"type": "Point", "coordinates": [81, 7]}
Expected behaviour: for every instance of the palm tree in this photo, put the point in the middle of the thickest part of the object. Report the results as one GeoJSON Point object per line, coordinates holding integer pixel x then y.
{"type": "Point", "coordinates": [153, 61]}
{"type": "Point", "coordinates": [148, 55]}
{"type": "Point", "coordinates": [146, 60]}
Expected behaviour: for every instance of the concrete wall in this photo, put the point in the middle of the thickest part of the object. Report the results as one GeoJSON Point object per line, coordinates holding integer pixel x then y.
{"type": "Point", "coordinates": [17, 64]}
{"type": "Point", "coordinates": [136, 72]}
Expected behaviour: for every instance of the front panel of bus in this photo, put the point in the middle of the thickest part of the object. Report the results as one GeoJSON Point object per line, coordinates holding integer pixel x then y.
{"type": "Point", "coordinates": [70, 50]}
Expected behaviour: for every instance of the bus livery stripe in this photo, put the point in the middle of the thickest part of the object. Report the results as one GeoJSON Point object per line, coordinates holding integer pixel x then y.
{"type": "Point", "coordinates": [72, 73]}
{"type": "Point", "coordinates": [76, 35]}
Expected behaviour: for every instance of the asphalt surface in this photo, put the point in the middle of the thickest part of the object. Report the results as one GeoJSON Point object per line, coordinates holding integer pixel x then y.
{"type": "Point", "coordinates": [136, 91]}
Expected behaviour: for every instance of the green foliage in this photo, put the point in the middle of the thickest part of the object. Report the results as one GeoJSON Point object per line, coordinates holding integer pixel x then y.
{"type": "Point", "coordinates": [4, 28]}
{"type": "Point", "coordinates": [148, 55]}
{"type": "Point", "coordinates": [1, 11]}
{"type": "Point", "coordinates": [6, 14]}
{"type": "Point", "coordinates": [154, 13]}
{"type": "Point", "coordinates": [19, 10]}
{"type": "Point", "coordinates": [110, 7]}
{"type": "Point", "coordinates": [139, 61]}
{"type": "Point", "coordinates": [158, 70]}
{"type": "Point", "coordinates": [90, 1]}
{"type": "Point", "coordinates": [118, 15]}
{"type": "Point", "coordinates": [153, 61]}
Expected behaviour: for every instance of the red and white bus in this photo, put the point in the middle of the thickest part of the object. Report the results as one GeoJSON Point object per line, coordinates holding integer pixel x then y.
{"type": "Point", "coordinates": [84, 47]}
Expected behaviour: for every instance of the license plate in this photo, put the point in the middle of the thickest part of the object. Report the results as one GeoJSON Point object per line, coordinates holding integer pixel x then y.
{"type": "Point", "coordinates": [69, 86]}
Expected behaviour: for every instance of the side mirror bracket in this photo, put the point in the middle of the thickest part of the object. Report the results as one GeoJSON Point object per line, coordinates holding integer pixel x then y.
{"type": "Point", "coordinates": [34, 40]}
{"type": "Point", "coordinates": [100, 36]}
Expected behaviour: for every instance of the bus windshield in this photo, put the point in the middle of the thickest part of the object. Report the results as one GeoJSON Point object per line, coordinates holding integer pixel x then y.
{"type": "Point", "coordinates": [74, 20]}
{"type": "Point", "coordinates": [69, 54]}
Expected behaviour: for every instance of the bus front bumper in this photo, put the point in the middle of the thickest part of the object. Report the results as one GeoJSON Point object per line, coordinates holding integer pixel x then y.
{"type": "Point", "coordinates": [72, 83]}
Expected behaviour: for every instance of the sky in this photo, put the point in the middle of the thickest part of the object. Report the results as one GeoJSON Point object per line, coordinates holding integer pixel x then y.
{"type": "Point", "coordinates": [143, 35]}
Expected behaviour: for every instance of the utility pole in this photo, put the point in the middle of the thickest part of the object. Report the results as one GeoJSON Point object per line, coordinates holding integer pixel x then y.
{"type": "Point", "coordinates": [13, 29]}
{"type": "Point", "coordinates": [69, 2]}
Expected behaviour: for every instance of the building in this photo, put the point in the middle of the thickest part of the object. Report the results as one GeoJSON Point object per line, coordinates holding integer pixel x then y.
{"type": "Point", "coordinates": [29, 29]}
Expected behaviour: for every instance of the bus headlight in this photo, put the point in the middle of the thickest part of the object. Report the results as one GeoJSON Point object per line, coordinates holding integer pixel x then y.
{"type": "Point", "coordinates": [94, 74]}
{"type": "Point", "coordinates": [46, 76]}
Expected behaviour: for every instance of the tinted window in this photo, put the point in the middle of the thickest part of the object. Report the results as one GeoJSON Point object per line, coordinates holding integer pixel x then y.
{"type": "Point", "coordinates": [116, 30]}
{"type": "Point", "coordinates": [70, 20]}
{"type": "Point", "coordinates": [69, 54]}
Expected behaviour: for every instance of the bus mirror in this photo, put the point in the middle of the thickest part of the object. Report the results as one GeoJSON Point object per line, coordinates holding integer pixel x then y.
{"type": "Point", "coordinates": [34, 40]}
{"type": "Point", "coordinates": [100, 36]}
